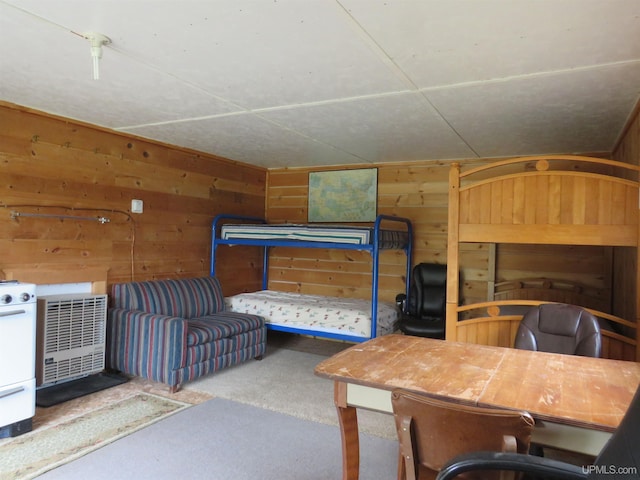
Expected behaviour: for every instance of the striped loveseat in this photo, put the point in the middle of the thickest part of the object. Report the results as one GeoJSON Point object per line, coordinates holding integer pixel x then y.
{"type": "Point", "coordinates": [173, 331]}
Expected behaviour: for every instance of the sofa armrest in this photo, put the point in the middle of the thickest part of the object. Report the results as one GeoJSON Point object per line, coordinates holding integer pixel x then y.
{"type": "Point", "coordinates": [146, 344]}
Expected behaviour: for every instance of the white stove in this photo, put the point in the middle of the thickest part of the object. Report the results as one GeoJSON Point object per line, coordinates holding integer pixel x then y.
{"type": "Point", "coordinates": [17, 357]}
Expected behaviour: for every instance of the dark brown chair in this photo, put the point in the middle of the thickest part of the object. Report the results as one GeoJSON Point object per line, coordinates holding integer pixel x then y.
{"type": "Point", "coordinates": [619, 459]}
{"type": "Point", "coordinates": [432, 431]}
{"type": "Point", "coordinates": [559, 328]}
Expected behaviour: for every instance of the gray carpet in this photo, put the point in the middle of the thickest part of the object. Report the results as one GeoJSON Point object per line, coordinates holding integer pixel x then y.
{"type": "Point", "coordinates": [223, 440]}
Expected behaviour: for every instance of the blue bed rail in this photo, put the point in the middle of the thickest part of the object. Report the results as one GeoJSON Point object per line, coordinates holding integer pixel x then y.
{"type": "Point", "coordinates": [373, 248]}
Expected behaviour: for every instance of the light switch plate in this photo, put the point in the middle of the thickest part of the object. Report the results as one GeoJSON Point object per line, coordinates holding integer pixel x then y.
{"type": "Point", "coordinates": [137, 206]}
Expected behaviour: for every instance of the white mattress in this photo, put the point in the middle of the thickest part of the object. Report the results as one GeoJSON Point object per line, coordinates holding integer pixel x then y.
{"type": "Point", "coordinates": [338, 234]}
{"type": "Point", "coordinates": [345, 316]}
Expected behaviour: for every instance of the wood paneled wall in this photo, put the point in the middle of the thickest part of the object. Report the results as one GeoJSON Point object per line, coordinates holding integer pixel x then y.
{"type": "Point", "coordinates": [53, 166]}
{"type": "Point", "coordinates": [418, 191]}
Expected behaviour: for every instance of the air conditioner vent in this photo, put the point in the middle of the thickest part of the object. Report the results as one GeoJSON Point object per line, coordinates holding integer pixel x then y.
{"type": "Point", "coordinates": [71, 336]}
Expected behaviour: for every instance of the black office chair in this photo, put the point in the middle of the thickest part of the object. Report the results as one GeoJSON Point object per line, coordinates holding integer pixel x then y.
{"type": "Point", "coordinates": [559, 328]}
{"type": "Point", "coordinates": [619, 458]}
{"type": "Point", "coordinates": [423, 313]}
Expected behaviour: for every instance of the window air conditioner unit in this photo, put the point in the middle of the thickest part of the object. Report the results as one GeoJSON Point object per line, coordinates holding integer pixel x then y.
{"type": "Point", "coordinates": [70, 339]}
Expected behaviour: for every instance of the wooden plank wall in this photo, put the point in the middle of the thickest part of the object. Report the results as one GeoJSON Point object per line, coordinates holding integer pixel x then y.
{"type": "Point", "coordinates": [47, 161]}
{"type": "Point", "coordinates": [55, 166]}
{"type": "Point", "coordinates": [418, 191]}
{"type": "Point", "coordinates": [401, 191]}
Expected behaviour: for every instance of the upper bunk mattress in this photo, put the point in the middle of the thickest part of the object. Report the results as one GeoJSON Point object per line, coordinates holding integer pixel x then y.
{"type": "Point", "coordinates": [338, 234]}
{"type": "Point", "coordinates": [315, 312]}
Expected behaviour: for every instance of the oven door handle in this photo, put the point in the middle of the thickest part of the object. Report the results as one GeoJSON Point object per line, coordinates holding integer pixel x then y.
{"type": "Point", "coordinates": [12, 312]}
{"type": "Point", "coordinates": [11, 391]}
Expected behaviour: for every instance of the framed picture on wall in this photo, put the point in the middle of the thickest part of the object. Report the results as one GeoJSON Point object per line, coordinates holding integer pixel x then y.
{"type": "Point", "coordinates": [343, 195]}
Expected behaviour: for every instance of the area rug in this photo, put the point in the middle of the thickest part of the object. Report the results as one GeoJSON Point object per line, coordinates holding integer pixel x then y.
{"type": "Point", "coordinates": [283, 381]}
{"type": "Point", "coordinates": [29, 455]}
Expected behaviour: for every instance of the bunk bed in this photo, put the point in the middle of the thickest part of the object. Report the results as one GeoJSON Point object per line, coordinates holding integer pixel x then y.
{"type": "Point", "coordinates": [561, 200]}
{"type": "Point", "coordinates": [353, 320]}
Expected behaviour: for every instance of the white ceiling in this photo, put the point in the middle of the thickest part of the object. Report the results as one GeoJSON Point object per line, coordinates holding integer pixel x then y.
{"type": "Point", "coordinates": [280, 83]}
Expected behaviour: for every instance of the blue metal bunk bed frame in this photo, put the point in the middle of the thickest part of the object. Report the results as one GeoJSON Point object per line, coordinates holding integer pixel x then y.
{"type": "Point", "coordinates": [372, 247]}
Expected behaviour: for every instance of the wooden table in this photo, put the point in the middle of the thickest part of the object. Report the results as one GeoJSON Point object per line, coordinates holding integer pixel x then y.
{"type": "Point", "coordinates": [576, 401]}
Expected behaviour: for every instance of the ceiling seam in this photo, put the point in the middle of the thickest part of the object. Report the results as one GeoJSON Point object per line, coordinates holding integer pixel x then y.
{"type": "Point", "coordinates": [257, 114]}
{"type": "Point", "coordinates": [524, 76]}
{"type": "Point", "coordinates": [375, 47]}
{"type": "Point", "coordinates": [293, 106]}
{"type": "Point", "coordinates": [42, 19]}
{"type": "Point", "coordinates": [453, 129]}
{"type": "Point", "coordinates": [245, 110]}
{"type": "Point", "coordinates": [398, 71]}
{"type": "Point", "coordinates": [241, 108]}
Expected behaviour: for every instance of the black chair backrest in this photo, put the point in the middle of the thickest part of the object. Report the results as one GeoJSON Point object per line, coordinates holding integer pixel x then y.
{"type": "Point", "coordinates": [559, 328]}
{"type": "Point", "coordinates": [619, 458]}
{"type": "Point", "coordinates": [623, 448]}
{"type": "Point", "coordinates": [428, 291]}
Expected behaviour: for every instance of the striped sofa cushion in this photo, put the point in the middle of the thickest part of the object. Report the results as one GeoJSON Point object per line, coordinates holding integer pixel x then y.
{"type": "Point", "coordinates": [222, 325]}
{"type": "Point", "coordinates": [184, 298]}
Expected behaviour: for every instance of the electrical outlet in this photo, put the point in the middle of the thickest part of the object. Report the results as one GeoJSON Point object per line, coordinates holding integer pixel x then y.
{"type": "Point", "coordinates": [137, 206]}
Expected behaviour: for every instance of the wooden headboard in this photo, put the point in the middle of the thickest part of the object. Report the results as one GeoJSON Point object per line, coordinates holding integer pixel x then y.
{"type": "Point", "coordinates": [554, 200]}
{"type": "Point", "coordinates": [552, 290]}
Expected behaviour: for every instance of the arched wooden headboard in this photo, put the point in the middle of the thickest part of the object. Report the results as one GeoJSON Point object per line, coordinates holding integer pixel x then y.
{"type": "Point", "coordinates": [556, 200]}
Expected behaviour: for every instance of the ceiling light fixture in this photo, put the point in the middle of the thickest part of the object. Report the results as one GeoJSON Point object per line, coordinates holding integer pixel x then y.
{"type": "Point", "coordinates": [97, 40]}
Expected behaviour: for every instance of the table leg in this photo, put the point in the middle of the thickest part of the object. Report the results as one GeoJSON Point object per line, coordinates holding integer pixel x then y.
{"type": "Point", "coordinates": [348, 419]}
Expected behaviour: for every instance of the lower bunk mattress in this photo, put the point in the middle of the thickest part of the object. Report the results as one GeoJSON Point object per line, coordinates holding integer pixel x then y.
{"type": "Point", "coordinates": [335, 315]}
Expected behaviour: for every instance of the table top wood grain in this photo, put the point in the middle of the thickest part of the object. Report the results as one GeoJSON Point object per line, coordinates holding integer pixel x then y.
{"type": "Point", "coordinates": [580, 391]}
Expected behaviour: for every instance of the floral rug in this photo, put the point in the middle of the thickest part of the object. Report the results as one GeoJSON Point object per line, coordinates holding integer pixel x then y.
{"type": "Point", "coordinates": [29, 455]}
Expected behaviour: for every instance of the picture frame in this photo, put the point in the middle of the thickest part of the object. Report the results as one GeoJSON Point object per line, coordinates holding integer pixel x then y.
{"type": "Point", "coordinates": [343, 195]}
